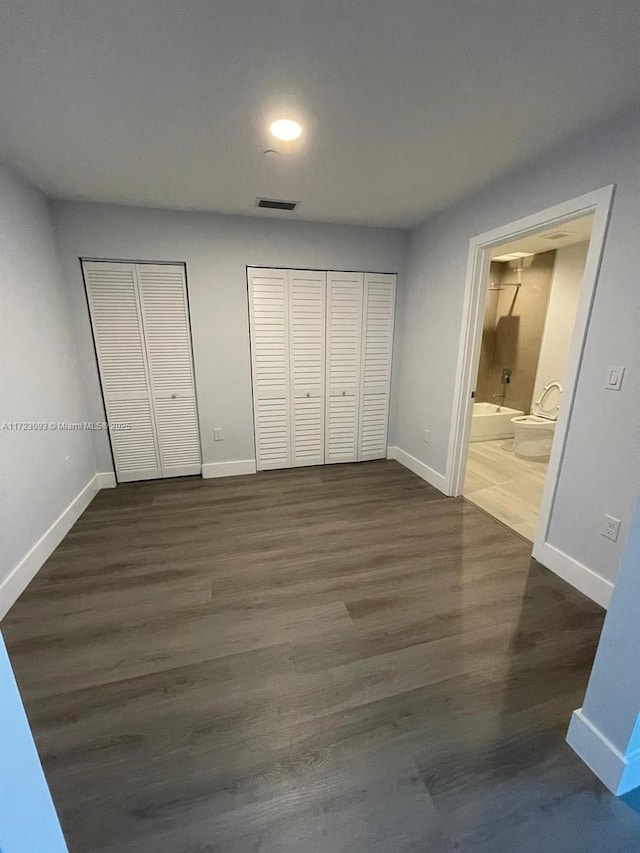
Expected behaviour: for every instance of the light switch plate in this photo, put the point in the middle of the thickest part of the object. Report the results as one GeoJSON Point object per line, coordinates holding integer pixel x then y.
{"type": "Point", "coordinates": [614, 378]}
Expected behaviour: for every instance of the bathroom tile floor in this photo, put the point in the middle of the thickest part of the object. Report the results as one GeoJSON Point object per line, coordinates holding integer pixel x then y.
{"type": "Point", "coordinates": [508, 488]}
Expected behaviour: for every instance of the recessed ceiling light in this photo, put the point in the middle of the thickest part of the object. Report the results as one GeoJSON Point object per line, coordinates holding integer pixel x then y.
{"type": "Point", "coordinates": [285, 128]}
{"type": "Point", "coordinates": [513, 256]}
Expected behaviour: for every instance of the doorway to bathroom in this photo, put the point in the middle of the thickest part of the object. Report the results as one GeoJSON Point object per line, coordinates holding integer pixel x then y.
{"type": "Point", "coordinates": [591, 210]}
{"type": "Point", "coordinates": [530, 306]}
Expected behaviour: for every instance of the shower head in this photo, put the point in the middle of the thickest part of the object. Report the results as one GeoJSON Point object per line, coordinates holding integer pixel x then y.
{"type": "Point", "coordinates": [519, 266]}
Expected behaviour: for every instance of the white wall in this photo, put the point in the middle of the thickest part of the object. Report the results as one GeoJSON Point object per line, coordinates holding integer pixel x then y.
{"type": "Point", "coordinates": [615, 668]}
{"type": "Point", "coordinates": [29, 822]}
{"type": "Point", "coordinates": [40, 379]}
{"type": "Point", "coordinates": [217, 250]}
{"type": "Point", "coordinates": [600, 469]}
{"type": "Point", "coordinates": [605, 732]}
{"type": "Point", "coordinates": [561, 314]}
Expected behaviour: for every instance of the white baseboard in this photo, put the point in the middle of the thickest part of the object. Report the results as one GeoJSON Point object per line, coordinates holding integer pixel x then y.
{"type": "Point", "coordinates": [594, 586]}
{"type": "Point", "coordinates": [21, 575]}
{"type": "Point", "coordinates": [439, 481]}
{"type": "Point", "coordinates": [618, 772]}
{"type": "Point", "coordinates": [106, 480]}
{"type": "Point", "coordinates": [229, 469]}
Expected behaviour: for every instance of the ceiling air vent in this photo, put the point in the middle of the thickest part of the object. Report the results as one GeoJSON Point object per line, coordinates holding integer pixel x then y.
{"type": "Point", "coordinates": [276, 204]}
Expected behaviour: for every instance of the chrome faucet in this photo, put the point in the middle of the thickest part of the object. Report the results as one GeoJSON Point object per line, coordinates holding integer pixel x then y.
{"type": "Point", "coordinates": [502, 397]}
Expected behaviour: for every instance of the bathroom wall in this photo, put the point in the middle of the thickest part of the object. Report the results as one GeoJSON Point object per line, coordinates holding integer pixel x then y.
{"type": "Point", "coordinates": [488, 333]}
{"type": "Point", "coordinates": [561, 314]}
{"type": "Point", "coordinates": [514, 325]}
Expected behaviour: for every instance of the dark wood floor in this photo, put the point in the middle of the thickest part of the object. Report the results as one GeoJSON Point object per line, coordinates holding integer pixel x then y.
{"type": "Point", "coordinates": [311, 661]}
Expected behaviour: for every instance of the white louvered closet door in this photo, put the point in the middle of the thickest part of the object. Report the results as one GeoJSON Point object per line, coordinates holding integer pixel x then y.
{"type": "Point", "coordinates": [112, 294]}
{"type": "Point", "coordinates": [307, 302]}
{"type": "Point", "coordinates": [269, 320]}
{"type": "Point", "coordinates": [375, 376]}
{"type": "Point", "coordinates": [165, 317]}
{"type": "Point", "coordinates": [343, 344]}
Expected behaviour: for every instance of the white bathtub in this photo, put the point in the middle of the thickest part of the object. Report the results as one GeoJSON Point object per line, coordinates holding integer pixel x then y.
{"type": "Point", "coordinates": [491, 422]}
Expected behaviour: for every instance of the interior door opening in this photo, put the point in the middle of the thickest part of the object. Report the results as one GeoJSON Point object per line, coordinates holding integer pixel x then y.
{"type": "Point", "coordinates": [531, 301]}
{"type": "Point", "coordinates": [552, 224]}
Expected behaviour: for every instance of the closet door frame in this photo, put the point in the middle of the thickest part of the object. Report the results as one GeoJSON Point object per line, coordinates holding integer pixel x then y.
{"type": "Point", "coordinates": [84, 259]}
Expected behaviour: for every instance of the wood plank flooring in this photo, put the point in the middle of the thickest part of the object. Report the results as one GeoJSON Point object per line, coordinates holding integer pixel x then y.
{"type": "Point", "coordinates": [308, 661]}
{"type": "Point", "coordinates": [508, 488]}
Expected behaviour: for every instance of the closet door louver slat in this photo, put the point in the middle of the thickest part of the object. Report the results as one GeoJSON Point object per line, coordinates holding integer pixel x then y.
{"type": "Point", "coordinates": [343, 344]}
{"type": "Point", "coordinates": [135, 449]}
{"type": "Point", "coordinates": [117, 329]}
{"type": "Point", "coordinates": [269, 320]}
{"type": "Point", "coordinates": [165, 314]}
{"type": "Point", "coordinates": [377, 348]}
{"type": "Point", "coordinates": [307, 298]}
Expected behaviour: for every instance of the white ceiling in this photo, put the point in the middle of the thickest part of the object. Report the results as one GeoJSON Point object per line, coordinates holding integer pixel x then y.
{"type": "Point", "coordinates": [406, 105]}
{"type": "Point", "coordinates": [566, 234]}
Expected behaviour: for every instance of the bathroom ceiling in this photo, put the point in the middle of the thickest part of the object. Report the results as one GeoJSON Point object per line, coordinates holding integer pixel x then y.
{"type": "Point", "coordinates": [404, 106]}
{"type": "Point", "coordinates": [567, 234]}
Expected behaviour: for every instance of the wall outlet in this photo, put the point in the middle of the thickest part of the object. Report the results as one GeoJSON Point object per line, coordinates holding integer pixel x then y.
{"type": "Point", "coordinates": [426, 436]}
{"type": "Point", "coordinates": [67, 464]}
{"type": "Point", "coordinates": [611, 528]}
{"type": "Point", "coordinates": [217, 434]}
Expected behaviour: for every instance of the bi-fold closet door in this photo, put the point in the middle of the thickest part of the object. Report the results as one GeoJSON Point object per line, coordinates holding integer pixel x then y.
{"type": "Point", "coordinates": [321, 345]}
{"type": "Point", "coordinates": [307, 307]}
{"type": "Point", "coordinates": [287, 314]}
{"type": "Point", "coordinates": [140, 320]}
{"type": "Point", "coordinates": [379, 298]}
{"type": "Point", "coordinates": [344, 339]}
